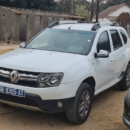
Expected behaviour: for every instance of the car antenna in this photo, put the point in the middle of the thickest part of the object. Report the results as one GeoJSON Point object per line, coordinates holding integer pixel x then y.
{"type": "Point", "coordinates": [70, 27]}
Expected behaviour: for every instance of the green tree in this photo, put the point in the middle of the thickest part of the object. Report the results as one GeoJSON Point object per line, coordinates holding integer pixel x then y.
{"type": "Point", "coordinates": [17, 3]}
{"type": "Point", "coordinates": [13, 3]}
{"type": "Point", "coordinates": [64, 6]}
{"type": "Point", "coordinates": [4, 2]}
{"type": "Point", "coordinates": [47, 5]}
{"type": "Point", "coordinates": [81, 11]}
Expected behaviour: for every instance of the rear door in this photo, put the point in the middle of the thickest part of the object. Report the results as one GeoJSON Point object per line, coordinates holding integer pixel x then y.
{"type": "Point", "coordinates": [118, 53]}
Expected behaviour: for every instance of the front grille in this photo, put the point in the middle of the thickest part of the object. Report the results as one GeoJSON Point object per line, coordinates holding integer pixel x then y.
{"type": "Point", "coordinates": [19, 100]}
{"type": "Point", "coordinates": [5, 69]}
{"type": "Point", "coordinates": [28, 83]}
{"type": "Point", "coordinates": [22, 83]}
{"type": "Point", "coordinates": [5, 80]}
{"type": "Point", "coordinates": [25, 78]}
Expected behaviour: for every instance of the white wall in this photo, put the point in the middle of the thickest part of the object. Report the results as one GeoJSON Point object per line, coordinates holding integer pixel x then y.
{"type": "Point", "coordinates": [119, 11]}
{"type": "Point", "coordinates": [102, 20]}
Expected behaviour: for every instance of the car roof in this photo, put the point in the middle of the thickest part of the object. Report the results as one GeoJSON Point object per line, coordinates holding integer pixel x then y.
{"type": "Point", "coordinates": [74, 25]}
{"type": "Point", "coordinates": [81, 27]}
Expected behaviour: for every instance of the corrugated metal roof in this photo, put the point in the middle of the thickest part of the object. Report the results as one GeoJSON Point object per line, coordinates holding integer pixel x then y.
{"type": "Point", "coordinates": [110, 10]}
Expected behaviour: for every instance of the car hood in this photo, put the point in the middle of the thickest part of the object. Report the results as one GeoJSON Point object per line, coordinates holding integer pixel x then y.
{"type": "Point", "coordinates": [39, 60]}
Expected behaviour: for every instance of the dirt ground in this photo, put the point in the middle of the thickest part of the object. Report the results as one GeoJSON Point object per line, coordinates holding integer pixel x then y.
{"type": "Point", "coordinates": [7, 47]}
{"type": "Point", "coordinates": [106, 114]}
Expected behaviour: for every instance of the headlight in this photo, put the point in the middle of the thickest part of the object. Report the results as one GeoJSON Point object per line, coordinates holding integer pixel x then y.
{"type": "Point", "coordinates": [50, 79]}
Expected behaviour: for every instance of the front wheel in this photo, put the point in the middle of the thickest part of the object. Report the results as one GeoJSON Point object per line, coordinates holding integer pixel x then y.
{"type": "Point", "coordinates": [79, 110]}
{"type": "Point", "coordinates": [124, 84]}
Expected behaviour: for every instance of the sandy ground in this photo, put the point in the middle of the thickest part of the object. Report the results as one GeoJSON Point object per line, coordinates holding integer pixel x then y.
{"type": "Point", "coordinates": [7, 47]}
{"type": "Point", "coordinates": [106, 114]}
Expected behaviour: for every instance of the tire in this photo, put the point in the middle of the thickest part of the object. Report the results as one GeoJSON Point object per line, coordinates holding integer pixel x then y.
{"type": "Point", "coordinates": [73, 113]}
{"type": "Point", "coordinates": [124, 84]}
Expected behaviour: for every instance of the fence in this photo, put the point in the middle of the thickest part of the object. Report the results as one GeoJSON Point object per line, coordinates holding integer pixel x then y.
{"type": "Point", "coordinates": [22, 25]}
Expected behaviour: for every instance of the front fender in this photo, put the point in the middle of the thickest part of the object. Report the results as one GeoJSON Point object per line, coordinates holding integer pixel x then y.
{"type": "Point", "coordinates": [80, 72]}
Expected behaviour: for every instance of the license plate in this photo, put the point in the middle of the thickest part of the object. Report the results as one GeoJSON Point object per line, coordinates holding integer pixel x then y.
{"type": "Point", "coordinates": [12, 91]}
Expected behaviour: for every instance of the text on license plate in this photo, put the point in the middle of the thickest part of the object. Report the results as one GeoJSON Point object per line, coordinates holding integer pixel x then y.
{"type": "Point", "coordinates": [12, 91]}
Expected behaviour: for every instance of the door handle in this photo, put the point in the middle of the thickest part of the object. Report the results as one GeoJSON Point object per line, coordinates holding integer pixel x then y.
{"type": "Point", "coordinates": [112, 60]}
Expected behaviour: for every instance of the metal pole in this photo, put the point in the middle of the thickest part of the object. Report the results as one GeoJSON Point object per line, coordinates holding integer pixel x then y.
{"type": "Point", "coordinates": [97, 10]}
{"type": "Point", "coordinates": [73, 7]}
{"type": "Point", "coordinates": [92, 10]}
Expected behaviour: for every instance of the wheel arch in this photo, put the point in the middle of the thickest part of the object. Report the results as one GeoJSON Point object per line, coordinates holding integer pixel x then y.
{"type": "Point", "coordinates": [126, 64]}
{"type": "Point", "coordinates": [91, 81]}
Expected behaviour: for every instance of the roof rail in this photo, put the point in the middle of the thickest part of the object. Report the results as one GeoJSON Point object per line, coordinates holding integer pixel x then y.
{"type": "Point", "coordinates": [98, 25]}
{"type": "Point", "coordinates": [55, 23]}
{"type": "Point", "coordinates": [115, 24]}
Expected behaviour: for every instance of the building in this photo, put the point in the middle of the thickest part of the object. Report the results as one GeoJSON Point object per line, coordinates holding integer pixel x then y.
{"type": "Point", "coordinates": [111, 13]}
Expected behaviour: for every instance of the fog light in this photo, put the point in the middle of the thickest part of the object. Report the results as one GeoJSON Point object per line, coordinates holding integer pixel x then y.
{"type": "Point", "coordinates": [42, 85]}
{"type": "Point", "coordinates": [59, 104]}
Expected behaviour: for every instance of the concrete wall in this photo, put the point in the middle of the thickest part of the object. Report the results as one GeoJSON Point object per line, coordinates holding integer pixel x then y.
{"type": "Point", "coordinates": [36, 23]}
{"type": "Point", "coordinates": [7, 24]}
{"type": "Point", "coordinates": [21, 25]}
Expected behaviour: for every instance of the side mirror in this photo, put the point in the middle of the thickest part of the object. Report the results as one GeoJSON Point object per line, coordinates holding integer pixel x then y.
{"type": "Point", "coordinates": [102, 54]}
{"type": "Point", "coordinates": [23, 44]}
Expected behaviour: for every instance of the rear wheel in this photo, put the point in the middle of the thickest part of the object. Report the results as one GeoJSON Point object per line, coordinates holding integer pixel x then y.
{"type": "Point", "coordinates": [124, 84]}
{"type": "Point", "coordinates": [79, 110]}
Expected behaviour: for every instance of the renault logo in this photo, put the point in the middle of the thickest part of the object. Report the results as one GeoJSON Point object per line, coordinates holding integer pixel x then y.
{"type": "Point", "coordinates": [14, 76]}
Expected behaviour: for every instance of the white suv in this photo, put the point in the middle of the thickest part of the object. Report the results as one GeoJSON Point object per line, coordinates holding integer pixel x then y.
{"type": "Point", "coordinates": [64, 66]}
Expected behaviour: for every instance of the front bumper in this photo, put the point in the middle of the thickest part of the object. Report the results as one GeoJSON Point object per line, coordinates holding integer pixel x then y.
{"type": "Point", "coordinates": [34, 102]}
{"type": "Point", "coordinates": [44, 99]}
{"type": "Point", "coordinates": [63, 91]}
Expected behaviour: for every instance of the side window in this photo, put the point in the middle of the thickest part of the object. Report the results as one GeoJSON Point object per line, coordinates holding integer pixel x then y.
{"type": "Point", "coordinates": [123, 34]}
{"type": "Point", "coordinates": [104, 42]}
{"type": "Point", "coordinates": [117, 43]}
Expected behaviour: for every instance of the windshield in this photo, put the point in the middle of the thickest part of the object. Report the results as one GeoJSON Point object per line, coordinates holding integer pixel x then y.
{"type": "Point", "coordinates": [68, 41]}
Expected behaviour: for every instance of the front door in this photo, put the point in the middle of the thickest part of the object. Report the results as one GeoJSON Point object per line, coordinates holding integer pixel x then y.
{"type": "Point", "coordinates": [103, 66]}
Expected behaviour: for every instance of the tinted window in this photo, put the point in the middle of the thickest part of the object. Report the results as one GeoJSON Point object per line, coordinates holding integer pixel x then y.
{"type": "Point", "coordinates": [103, 42]}
{"type": "Point", "coordinates": [116, 39]}
{"type": "Point", "coordinates": [123, 36]}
